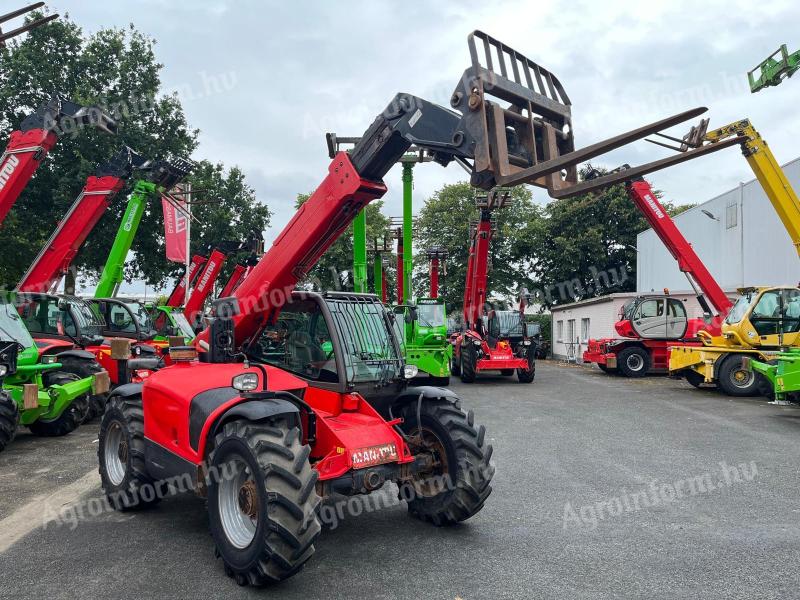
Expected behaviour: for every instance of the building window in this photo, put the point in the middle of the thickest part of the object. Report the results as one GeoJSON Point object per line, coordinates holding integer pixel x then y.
{"type": "Point", "coordinates": [560, 331]}
{"type": "Point", "coordinates": [584, 330]}
{"type": "Point", "coordinates": [731, 215]}
{"type": "Point", "coordinates": [571, 331]}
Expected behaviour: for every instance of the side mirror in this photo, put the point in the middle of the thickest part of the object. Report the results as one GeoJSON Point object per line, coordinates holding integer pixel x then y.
{"type": "Point", "coordinates": [411, 315]}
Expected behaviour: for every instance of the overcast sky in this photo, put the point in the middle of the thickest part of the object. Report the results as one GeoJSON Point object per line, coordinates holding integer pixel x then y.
{"type": "Point", "coordinates": [264, 81]}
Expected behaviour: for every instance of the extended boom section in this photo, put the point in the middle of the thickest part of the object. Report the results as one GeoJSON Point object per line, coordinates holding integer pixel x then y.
{"type": "Point", "coordinates": [36, 136]}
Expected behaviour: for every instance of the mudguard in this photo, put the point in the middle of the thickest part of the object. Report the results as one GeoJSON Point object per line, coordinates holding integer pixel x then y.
{"type": "Point", "coordinates": [82, 354]}
{"type": "Point", "coordinates": [128, 390]}
{"type": "Point", "coordinates": [429, 392]}
{"type": "Point", "coordinates": [254, 411]}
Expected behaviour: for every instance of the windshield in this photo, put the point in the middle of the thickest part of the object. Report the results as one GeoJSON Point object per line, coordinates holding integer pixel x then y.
{"type": "Point", "coordinates": [184, 328]}
{"type": "Point", "coordinates": [739, 309]}
{"type": "Point", "coordinates": [506, 323]}
{"type": "Point", "coordinates": [626, 312]}
{"type": "Point", "coordinates": [431, 315]}
{"type": "Point", "coordinates": [11, 326]}
{"type": "Point", "coordinates": [90, 323]}
{"type": "Point", "coordinates": [370, 352]}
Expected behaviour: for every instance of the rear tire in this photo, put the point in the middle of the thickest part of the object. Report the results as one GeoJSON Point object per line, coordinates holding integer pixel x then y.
{"type": "Point", "coordinates": [262, 503]}
{"type": "Point", "coordinates": [468, 362]}
{"type": "Point", "coordinates": [633, 362]}
{"type": "Point", "coordinates": [458, 487]}
{"type": "Point", "coordinates": [737, 381]}
{"type": "Point", "coordinates": [527, 376]}
{"type": "Point", "coordinates": [73, 415]}
{"type": "Point", "coordinates": [9, 420]}
{"type": "Point", "coordinates": [84, 367]}
{"type": "Point", "coordinates": [120, 453]}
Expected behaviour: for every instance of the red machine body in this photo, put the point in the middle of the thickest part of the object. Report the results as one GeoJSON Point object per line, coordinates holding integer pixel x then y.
{"type": "Point", "coordinates": [638, 352]}
{"type": "Point", "coordinates": [346, 424]}
{"type": "Point", "coordinates": [434, 278]}
{"type": "Point", "coordinates": [178, 295]}
{"type": "Point", "coordinates": [204, 286]}
{"type": "Point", "coordinates": [494, 352]}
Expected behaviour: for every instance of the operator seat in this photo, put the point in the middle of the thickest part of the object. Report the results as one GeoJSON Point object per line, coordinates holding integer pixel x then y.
{"type": "Point", "coordinates": [302, 350]}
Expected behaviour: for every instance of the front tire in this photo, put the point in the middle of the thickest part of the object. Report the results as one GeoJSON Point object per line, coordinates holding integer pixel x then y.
{"type": "Point", "coordinates": [468, 362]}
{"type": "Point", "coordinates": [83, 367]}
{"type": "Point", "coordinates": [737, 381]}
{"type": "Point", "coordinates": [9, 420]}
{"type": "Point", "coordinates": [69, 420]}
{"type": "Point", "coordinates": [694, 378]}
{"type": "Point", "coordinates": [606, 369]}
{"type": "Point", "coordinates": [120, 453]}
{"type": "Point", "coordinates": [458, 483]}
{"type": "Point", "coordinates": [527, 376]}
{"type": "Point", "coordinates": [633, 362]}
{"type": "Point", "coordinates": [455, 366]}
{"type": "Point", "coordinates": [262, 502]}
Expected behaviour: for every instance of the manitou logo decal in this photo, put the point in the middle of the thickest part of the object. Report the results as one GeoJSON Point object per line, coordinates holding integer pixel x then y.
{"type": "Point", "coordinates": [8, 170]}
{"type": "Point", "coordinates": [207, 275]}
{"type": "Point", "coordinates": [129, 222]}
{"type": "Point", "coordinates": [654, 205]}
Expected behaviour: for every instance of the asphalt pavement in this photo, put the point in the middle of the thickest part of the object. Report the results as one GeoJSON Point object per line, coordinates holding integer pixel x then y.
{"type": "Point", "coordinates": [605, 488]}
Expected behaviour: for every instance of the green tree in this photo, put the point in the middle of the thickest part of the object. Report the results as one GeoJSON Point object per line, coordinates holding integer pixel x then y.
{"type": "Point", "coordinates": [335, 268]}
{"type": "Point", "coordinates": [445, 219]}
{"type": "Point", "coordinates": [117, 70]}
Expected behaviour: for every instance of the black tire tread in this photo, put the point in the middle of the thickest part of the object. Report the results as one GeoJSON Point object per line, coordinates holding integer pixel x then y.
{"type": "Point", "coordinates": [9, 420]}
{"type": "Point", "coordinates": [468, 362]}
{"type": "Point", "coordinates": [622, 365]}
{"type": "Point", "coordinates": [69, 420]}
{"type": "Point", "coordinates": [293, 526]}
{"type": "Point", "coordinates": [86, 368]}
{"type": "Point", "coordinates": [471, 485]}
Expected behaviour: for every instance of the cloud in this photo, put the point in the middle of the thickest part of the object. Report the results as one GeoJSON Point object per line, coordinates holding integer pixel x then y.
{"type": "Point", "coordinates": [302, 70]}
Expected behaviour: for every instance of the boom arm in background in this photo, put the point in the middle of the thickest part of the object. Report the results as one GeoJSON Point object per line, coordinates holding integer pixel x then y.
{"type": "Point", "coordinates": [36, 136]}
{"type": "Point", "coordinates": [55, 258]}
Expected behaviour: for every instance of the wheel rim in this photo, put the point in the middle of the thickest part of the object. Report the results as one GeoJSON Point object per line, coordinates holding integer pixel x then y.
{"type": "Point", "coordinates": [431, 444]}
{"type": "Point", "coordinates": [239, 504]}
{"type": "Point", "coordinates": [742, 378]}
{"type": "Point", "coordinates": [635, 362]}
{"type": "Point", "coordinates": [116, 453]}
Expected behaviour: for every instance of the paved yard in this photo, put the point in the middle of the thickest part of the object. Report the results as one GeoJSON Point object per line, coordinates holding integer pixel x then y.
{"type": "Point", "coordinates": [605, 488]}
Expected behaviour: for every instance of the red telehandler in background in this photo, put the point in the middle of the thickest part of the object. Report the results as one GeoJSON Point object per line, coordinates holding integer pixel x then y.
{"type": "Point", "coordinates": [4, 37]}
{"type": "Point", "coordinates": [301, 395]}
{"type": "Point", "coordinates": [36, 136]}
{"type": "Point", "coordinates": [649, 324]}
{"type": "Point", "coordinates": [497, 341]}
{"type": "Point", "coordinates": [178, 295]}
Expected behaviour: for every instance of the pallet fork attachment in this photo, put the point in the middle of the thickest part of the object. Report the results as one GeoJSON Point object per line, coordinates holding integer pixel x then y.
{"type": "Point", "coordinates": [27, 26]}
{"type": "Point", "coordinates": [520, 118]}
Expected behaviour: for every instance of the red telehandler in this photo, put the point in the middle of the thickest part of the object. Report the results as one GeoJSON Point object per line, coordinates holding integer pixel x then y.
{"type": "Point", "coordinates": [497, 341]}
{"type": "Point", "coordinates": [651, 323]}
{"type": "Point", "coordinates": [301, 395]}
{"type": "Point", "coordinates": [178, 295]}
{"type": "Point", "coordinates": [36, 136]}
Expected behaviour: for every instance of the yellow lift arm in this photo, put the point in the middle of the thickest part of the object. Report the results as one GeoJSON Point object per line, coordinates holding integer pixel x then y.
{"type": "Point", "coordinates": [768, 172]}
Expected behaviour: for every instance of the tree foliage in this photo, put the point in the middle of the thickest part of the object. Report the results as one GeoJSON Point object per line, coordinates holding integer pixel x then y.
{"type": "Point", "coordinates": [117, 70]}
{"type": "Point", "coordinates": [334, 271]}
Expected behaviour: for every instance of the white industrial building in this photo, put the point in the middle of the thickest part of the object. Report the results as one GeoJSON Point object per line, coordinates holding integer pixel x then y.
{"type": "Point", "coordinates": [738, 236]}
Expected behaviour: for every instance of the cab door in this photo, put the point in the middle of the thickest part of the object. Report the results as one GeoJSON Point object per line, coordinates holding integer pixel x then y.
{"type": "Point", "coordinates": [677, 321]}
{"type": "Point", "coordinates": [650, 319]}
{"type": "Point", "coordinates": [775, 318]}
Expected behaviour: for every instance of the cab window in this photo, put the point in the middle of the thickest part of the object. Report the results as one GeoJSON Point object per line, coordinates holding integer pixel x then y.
{"type": "Point", "coordinates": [299, 342]}
{"type": "Point", "coordinates": [676, 309]}
{"type": "Point", "coordinates": [119, 319]}
{"type": "Point", "coordinates": [649, 309]}
{"type": "Point", "coordinates": [776, 312]}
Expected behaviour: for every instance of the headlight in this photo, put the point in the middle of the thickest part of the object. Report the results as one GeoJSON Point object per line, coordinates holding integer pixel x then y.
{"type": "Point", "coordinates": [410, 371]}
{"type": "Point", "coordinates": [476, 342]}
{"type": "Point", "coordinates": [246, 382]}
{"type": "Point", "coordinates": [3, 370]}
{"type": "Point", "coordinates": [526, 343]}
{"type": "Point", "coordinates": [49, 359]}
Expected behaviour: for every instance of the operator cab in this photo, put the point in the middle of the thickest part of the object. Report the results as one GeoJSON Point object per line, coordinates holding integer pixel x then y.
{"type": "Point", "coordinates": [169, 322]}
{"type": "Point", "coordinates": [61, 317]}
{"type": "Point", "coordinates": [653, 317]}
{"type": "Point", "coordinates": [124, 318]}
{"type": "Point", "coordinates": [12, 327]}
{"type": "Point", "coordinates": [505, 325]}
{"type": "Point", "coordinates": [765, 316]}
{"type": "Point", "coordinates": [335, 341]}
